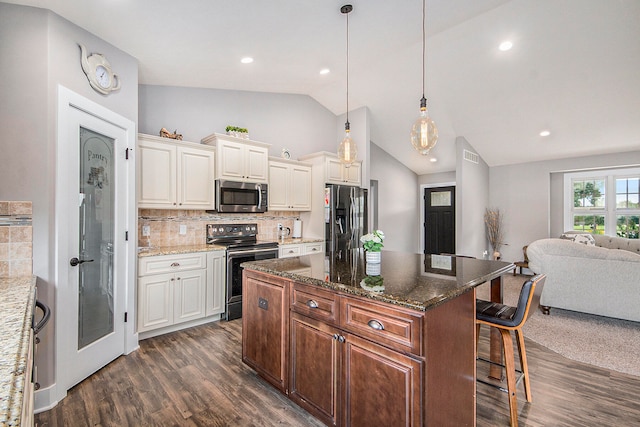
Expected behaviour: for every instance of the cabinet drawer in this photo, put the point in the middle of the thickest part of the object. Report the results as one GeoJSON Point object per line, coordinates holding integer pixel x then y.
{"type": "Point", "coordinates": [171, 263]}
{"type": "Point", "coordinates": [315, 302]}
{"type": "Point", "coordinates": [312, 248]}
{"type": "Point", "coordinates": [287, 251]}
{"type": "Point", "coordinates": [394, 327]}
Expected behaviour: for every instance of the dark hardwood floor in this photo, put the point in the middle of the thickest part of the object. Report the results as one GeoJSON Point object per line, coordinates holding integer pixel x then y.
{"type": "Point", "coordinates": [195, 377]}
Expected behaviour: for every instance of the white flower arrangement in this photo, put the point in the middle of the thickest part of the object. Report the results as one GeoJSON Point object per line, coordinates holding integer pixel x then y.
{"type": "Point", "coordinates": [372, 242]}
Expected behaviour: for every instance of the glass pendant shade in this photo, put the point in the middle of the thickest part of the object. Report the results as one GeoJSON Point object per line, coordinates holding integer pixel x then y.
{"type": "Point", "coordinates": [424, 133]}
{"type": "Point", "coordinates": [347, 150]}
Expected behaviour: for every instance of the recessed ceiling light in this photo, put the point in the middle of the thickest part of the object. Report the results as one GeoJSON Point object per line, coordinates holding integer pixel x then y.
{"type": "Point", "coordinates": [433, 160]}
{"type": "Point", "coordinates": [325, 71]}
{"type": "Point", "coordinates": [545, 133]}
{"type": "Point", "coordinates": [505, 45]}
{"type": "Point", "coordinates": [246, 60]}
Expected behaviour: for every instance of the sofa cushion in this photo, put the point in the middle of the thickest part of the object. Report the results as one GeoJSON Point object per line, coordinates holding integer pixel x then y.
{"type": "Point", "coordinates": [609, 242]}
{"type": "Point", "coordinates": [583, 238]}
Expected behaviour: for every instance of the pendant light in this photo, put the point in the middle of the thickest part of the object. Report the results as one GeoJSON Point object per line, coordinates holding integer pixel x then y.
{"type": "Point", "coordinates": [347, 150]}
{"type": "Point", "coordinates": [424, 133]}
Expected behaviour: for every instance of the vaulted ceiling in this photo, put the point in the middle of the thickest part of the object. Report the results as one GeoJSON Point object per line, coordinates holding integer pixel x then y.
{"type": "Point", "coordinates": [573, 69]}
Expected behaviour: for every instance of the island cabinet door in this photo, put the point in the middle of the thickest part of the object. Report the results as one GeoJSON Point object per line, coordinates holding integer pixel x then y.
{"type": "Point", "coordinates": [382, 387]}
{"type": "Point", "coordinates": [265, 327]}
{"type": "Point", "coordinates": [315, 360]}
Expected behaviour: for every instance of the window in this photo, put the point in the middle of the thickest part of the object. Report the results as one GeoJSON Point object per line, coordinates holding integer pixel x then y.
{"type": "Point", "coordinates": [603, 202]}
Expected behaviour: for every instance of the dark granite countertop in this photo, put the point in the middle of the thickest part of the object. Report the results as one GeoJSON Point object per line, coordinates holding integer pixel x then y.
{"type": "Point", "coordinates": [419, 282]}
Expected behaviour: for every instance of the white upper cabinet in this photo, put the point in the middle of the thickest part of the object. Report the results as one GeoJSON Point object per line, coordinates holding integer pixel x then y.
{"type": "Point", "coordinates": [240, 159]}
{"type": "Point", "coordinates": [338, 173]}
{"type": "Point", "coordinates": [332, 171]}
{"type": "Point", "coordinates": [289, 186]}
{"type": "Point", "coordinates": [174, 174]}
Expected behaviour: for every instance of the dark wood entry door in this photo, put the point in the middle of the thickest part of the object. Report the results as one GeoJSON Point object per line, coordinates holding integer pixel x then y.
{"type": "Point", "coordinates": [440, 220]}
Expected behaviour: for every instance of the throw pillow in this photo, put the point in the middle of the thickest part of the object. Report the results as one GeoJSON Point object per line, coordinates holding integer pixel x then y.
{"type": "Point", "coordinates": [585, 239]}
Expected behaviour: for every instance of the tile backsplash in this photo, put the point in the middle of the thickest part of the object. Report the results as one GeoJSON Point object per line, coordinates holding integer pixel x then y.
{"type": "Point", "coordinates": [16, 239]}
{"type": "Point", "coordinates": [164, 225]}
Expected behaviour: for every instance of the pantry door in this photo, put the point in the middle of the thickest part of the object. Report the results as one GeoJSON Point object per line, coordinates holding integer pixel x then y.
{"type": "Point", "coordinates": [91, 195]}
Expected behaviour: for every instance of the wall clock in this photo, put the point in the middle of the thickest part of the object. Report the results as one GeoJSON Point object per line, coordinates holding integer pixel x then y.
{"type": "Point", "coordinates": [98, 71]}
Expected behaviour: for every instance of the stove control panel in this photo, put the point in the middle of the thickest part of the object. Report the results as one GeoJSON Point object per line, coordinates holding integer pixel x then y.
{"type": "Point", "coordinates": [218, 231]}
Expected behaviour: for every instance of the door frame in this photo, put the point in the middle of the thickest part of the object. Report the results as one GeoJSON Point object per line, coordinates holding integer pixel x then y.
{"type": "Point", "coordinates": [421, 197]}
{"type": "Point", "coordinates": [69, 101]}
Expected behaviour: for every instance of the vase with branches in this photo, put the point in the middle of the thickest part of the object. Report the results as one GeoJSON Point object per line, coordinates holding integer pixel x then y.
{"type": "Point", "coordinates": [493, 221]}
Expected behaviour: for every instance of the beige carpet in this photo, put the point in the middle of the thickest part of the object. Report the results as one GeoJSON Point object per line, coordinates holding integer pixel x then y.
{"type": "Point", "coordinates": [601, 341]}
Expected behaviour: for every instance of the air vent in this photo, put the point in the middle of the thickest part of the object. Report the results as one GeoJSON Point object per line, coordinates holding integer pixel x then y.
{"type": "Point", "coordinates": [471, 157]}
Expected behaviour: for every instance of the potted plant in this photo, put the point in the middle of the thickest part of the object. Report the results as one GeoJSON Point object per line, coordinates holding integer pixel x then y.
{"type": "Point", "coordinates": [372, 244]}
{"type": "Point", "coordinates": [237, 132]}
{"type": "Point", "coordinates": [495, 231]}
{"type": "Point", "coordinates": [372, 283]}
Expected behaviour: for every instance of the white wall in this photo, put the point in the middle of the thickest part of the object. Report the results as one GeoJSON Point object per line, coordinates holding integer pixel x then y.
{"type": "Point", "coordinates": [472, 198]}
{"type": "Point", "coordinates": [39, 51]}
{"type": "Point", "coordinates": [398, 201]}
{"type": "Point", "coordinates": [437, 178]}
{"type": "Point", "coordinates": [530, 194]}
{"type": "Point", "coordinates": [296, 122]}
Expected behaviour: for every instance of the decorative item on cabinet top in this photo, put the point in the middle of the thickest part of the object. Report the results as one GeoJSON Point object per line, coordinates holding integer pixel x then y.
{"type": "Point", "coordinates": [238, 132]}
{"type": "Point", "coordinates": [166, 134]}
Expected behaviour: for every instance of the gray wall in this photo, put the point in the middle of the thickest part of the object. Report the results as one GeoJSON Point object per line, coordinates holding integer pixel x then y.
{"type": "Point", "coordinates": [531, 195]}
{"type": "Point", "coordinates": [472, 198]}
{"type": "Point", "coordinates": [296, 122]}
{"type": "Point", "coordinates": [38, 51]}
{"type": "Point", "coordinates": [398, 201]}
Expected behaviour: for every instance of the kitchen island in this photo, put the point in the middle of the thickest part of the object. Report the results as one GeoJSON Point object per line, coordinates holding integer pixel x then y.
{"type": "Point", "coordinates": [362, 344]}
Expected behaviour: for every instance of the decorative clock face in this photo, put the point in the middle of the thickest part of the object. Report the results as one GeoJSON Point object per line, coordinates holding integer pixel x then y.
{"type": "Point", "coordinates": [99, 73]}
{"type": "Point", "coordinates": [103, 77]}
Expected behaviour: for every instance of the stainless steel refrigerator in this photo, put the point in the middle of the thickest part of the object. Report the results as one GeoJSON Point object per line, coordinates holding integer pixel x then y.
{"type": "Point", "coordinates": [345, 216]}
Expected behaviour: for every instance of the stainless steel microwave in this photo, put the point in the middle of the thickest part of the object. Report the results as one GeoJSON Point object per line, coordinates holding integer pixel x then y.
{"type": "Point", "coordinates": [243, 197]}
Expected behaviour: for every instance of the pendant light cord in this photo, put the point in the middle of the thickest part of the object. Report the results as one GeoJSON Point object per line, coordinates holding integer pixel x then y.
{"type": "Point", "coordinates": [347, 68]}
{"type": "Point", "coordinates": [423, 45]}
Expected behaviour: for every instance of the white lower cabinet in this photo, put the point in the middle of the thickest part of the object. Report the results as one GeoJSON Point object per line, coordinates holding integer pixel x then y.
{"type": "Point", "coordinates": [297, 249]}
{"type": "Point", "coordinates": [216, 279]}
{"type": "Point", "coordinates": [175, 289]}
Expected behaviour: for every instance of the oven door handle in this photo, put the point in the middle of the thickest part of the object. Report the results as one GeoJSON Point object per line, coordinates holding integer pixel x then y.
{"type": "Point", "coordinates": [251, 251]}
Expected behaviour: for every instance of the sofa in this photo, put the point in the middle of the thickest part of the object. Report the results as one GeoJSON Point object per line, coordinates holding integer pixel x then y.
{"type": "Point", "coordinates": [589, 273]}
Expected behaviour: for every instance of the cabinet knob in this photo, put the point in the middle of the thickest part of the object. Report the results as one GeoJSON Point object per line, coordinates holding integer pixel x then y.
{"type": "Point", "coordinates": [175, 264]}
{"type": "Point", "coordinates": [312, 304]}
{"type": "Point", "coordinates": [335, 336]}
{"type": "Point", "coordinates": [374, 324]}
{"type": "Point", "coordinates": [341, 338]}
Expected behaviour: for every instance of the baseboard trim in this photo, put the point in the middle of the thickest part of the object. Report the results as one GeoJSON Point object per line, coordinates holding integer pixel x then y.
{"type": "Point", "coordinates": [179, 326]}
{"type": "Point", "coordinates": [46, 399]}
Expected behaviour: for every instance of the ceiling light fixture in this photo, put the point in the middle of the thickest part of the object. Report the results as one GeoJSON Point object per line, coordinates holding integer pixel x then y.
{"type": "Point", "coordinates": [545, 133]}
{"type": "Point", "coordinates": [424, 133]}
{"type": "Point", "coordinates": [347, 149]}
{"type": "Point", "coordinates": [246, 60]}
{"type": "Point", "coordinates": [325, 71]}
{"type": "Point", "coordinates": [505, 45]}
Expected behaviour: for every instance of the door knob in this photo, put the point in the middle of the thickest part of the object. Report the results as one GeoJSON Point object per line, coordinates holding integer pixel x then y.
{"type": "Point", "coordinates": [75, 261]}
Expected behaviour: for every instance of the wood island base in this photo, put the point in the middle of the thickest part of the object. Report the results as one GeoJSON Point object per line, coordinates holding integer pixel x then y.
{"type": "Point", "coordinates": [350, 360]}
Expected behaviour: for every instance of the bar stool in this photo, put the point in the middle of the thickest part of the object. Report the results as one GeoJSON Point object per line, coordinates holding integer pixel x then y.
{"type": "Point", "coordinates": [506, 319]}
